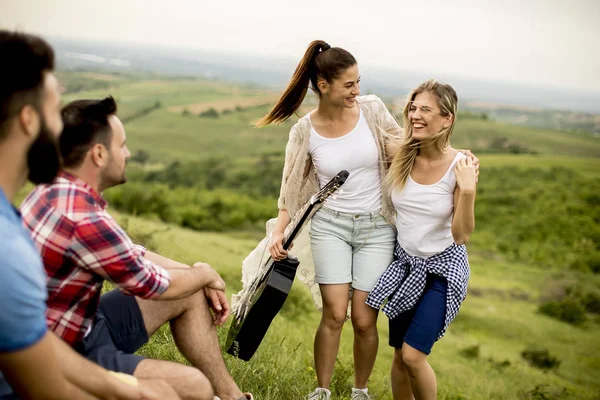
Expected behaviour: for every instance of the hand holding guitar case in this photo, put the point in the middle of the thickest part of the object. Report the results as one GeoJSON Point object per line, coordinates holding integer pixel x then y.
{"type": "Point", "coordinates": [270, 289]}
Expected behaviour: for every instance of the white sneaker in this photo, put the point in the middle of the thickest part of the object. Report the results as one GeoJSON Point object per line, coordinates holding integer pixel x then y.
{"type": "Point", "coordinates": [360, 395]}
{"type": "Point", "coordinates": [319, 394]}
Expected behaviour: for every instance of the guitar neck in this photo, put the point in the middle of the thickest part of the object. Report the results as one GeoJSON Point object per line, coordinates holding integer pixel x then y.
{"type": "Point", "coordinates": [298, 226]}
{"type": "Point", "coordinates": [314, 204]}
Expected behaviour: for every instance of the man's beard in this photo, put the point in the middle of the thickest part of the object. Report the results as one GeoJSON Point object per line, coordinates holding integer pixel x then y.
{"type": "Point", "coordinates": [43, 158]}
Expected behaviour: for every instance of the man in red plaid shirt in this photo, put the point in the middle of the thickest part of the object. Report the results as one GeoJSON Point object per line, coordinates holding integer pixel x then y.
{"type": "Point", "coordinates": [82, 246]}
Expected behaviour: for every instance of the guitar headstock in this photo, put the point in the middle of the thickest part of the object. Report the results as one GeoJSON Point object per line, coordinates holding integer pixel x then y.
{"type": "Point", "coordinates": [331, 187]}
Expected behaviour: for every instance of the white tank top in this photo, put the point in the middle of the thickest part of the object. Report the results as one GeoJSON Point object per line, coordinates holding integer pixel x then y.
{"type": "Point", "coordinates": [357, 153]}
{"type": "Point", "coordinates": [424, 214]}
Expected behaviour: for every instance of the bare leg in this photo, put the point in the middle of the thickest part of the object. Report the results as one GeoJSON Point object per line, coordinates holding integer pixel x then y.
{"type": "Point", "coordinates": [366, 338]}
{"type": "Point", "coordinates": [422, 377]}
{"type": "Point", "coordinates": [196, 338]}
{"type": "Point", "coordinates": [188, 382]}
{"type": "Point", "coordinates": [327, 338]}
{"type": "Point", "coordinates": [400, 379]}
{"type": "Point", "coordinates": [157, 389]}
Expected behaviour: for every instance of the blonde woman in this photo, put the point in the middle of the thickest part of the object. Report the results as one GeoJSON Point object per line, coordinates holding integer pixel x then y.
{"type": "Point", "coordinates": [433, 191]}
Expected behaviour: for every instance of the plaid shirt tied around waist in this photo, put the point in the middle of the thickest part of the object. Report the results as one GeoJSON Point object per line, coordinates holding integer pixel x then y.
{"type": "Point", "coordinates": [403, 282]}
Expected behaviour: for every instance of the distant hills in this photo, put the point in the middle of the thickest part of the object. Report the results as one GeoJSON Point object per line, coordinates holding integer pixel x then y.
{"type": "Point", "coordinates": [514, 103]}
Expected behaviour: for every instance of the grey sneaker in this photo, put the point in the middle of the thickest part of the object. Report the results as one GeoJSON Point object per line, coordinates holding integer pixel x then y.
{"type": "Point", "coordinates": [360, 395]}
{"type": "Point", "coordinates": [319, 394]}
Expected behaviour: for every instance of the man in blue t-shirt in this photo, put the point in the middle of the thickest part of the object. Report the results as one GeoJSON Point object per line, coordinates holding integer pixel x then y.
{"type": "Point", "coordinates": [30, 123]}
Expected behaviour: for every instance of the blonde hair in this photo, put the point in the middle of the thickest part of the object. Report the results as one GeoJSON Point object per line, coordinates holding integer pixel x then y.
{"type": "Point", "coordinates": [404, 160]}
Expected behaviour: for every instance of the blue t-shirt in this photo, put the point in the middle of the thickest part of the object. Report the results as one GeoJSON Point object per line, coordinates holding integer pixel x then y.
{"type": "Point", "coordinates": [23, 290]}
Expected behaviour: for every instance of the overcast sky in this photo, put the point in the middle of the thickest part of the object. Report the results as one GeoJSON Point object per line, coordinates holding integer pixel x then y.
{"type": "Point", "coordinates": [551, 42]}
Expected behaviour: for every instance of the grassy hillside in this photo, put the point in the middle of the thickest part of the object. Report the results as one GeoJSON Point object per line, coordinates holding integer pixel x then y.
{"type": "Point", "coordinates": [480, 357]}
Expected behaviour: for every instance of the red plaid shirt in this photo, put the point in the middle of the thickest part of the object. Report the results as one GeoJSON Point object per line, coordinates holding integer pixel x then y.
{"type": "Point", "coordinates": [82, 245]}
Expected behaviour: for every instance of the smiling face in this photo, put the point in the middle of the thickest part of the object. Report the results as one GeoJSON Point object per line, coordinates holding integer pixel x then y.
{"type": "Point", "coordinates": [342, 91]}
{"type": "Point", "coordinates": [425, 116]}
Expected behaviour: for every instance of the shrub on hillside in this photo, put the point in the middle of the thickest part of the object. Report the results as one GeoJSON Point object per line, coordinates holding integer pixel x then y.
{"type": "Point", "coordinates": [540, 358]}
{"type": "Point", "coordinates": [193, 208]}
{"type": "Point", "coordinates": [588, 261]}
{"type": "Point", "coordinates": [547, 217]}
{"type": "Point", "coordinates": [470, 352]}
{"type": "Point", "coordinates": [140, 156]}
{"type": "Point", "coordinates": [138, 199]}
{"type": "Point", "coordinates": [542, 392]}
{"type": "Point", "coordinates": [260, 176]}
{"type": "Point", "coordinates": [568, 310]}
{"type": "Point", "coordinates": [210, 113]}
{"type": "Point", "coordinates": [591, 300]}
{"type": "Point", "coordinates": [569, 300]}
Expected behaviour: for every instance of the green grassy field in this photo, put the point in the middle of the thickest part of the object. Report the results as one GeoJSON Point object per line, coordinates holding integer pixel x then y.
{"type": "Point", "coordinates": [167, 135]}
{"type": "Point", "coordinates": [499, 316]}
{"type": "Point", "coordinates": [480, 357]}
{"type": "Point", "coordinates": [588, 166]}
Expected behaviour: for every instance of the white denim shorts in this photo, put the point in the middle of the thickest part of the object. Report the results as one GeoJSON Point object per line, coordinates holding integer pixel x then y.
{"type": "Point", "coordinates": [351, 248]}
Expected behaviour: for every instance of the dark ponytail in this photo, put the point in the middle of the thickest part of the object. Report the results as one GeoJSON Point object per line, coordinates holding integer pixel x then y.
{"type": "Point", "coordinates": [320, 61]}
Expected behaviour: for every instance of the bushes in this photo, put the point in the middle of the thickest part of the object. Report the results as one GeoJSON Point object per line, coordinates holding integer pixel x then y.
{"type": "Point", "coordinates": [540, 358]}
{"type": "Point", "coordinates": [258, 177]}
{"type": "Point", "coordinates": [210, 113]}
{"type": "Point", "coordinates": [549, 217]}
{"type": "Point", "coordinates": [470, 352]}
{"type": "Point", "coordinates": [544, 392]}
{"type": "Point", "coordinates": [545, 217]}
{"type": "Point", "coordinates": [568, 310]}
{"type": "Point", "coordinates": [193, 208]}
{"type": "Point", "coordinates": [570, 300]}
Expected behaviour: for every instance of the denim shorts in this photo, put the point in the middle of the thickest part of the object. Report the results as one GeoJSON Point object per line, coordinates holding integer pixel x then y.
{"type": "Point", "coordinates": [351, 248]}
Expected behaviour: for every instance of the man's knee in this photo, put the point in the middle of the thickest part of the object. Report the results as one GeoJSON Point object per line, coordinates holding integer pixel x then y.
{"type": "Point", "coordinates": [195, 301]}
{"type": "Point", "coordinates": [188, 382]}
{"type": "Point", "coordinates": [197, 384]}
{"type": "Point", "coordinates": [201, 382]}
{"type": "Point", "coordinates": [157, 388]}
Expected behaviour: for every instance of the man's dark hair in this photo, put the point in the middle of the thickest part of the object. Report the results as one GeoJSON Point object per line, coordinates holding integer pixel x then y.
{"type": "Point", "coordinates": [85, 125]}
{"type": "Point", "coordinates": [25, 58]}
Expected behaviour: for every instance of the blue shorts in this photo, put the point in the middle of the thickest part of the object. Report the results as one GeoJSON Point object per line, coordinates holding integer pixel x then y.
{"type": "Point", "coordinates": [117, 332]}
{"type": "Point", "coordinates": [421, 326]}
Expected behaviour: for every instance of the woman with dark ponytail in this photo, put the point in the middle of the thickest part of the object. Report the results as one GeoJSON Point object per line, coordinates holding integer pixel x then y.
{"type": "Point", "coordinates": [352, 237]}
